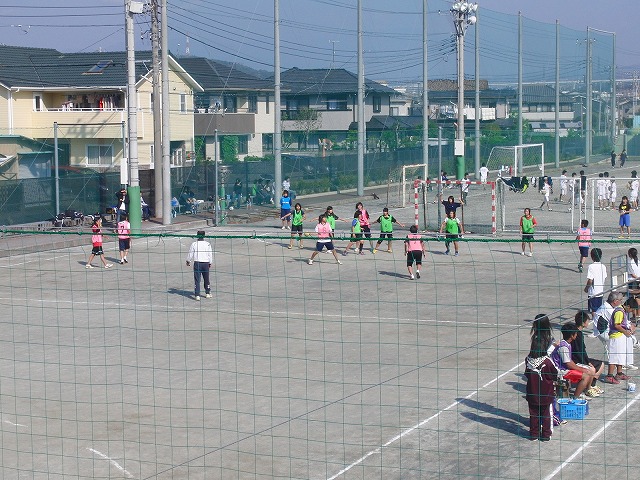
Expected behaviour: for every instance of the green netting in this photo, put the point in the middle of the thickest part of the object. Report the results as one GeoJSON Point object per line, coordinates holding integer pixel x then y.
{"type": "Point", "coordinates": [291, 370]}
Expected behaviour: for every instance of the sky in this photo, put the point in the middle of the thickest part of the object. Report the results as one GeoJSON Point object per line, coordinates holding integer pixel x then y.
{"type": "Point", "coordinates": [322, 34]}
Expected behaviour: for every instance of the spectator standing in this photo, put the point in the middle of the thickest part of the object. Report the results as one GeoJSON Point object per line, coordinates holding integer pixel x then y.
{"type": "Point", "coordinates": [201, 255]}
{"type": "Point", "coordinates": [596, 276]}
{"type": "Point", "coordinates": [96, 243]}
{"type": "Point", "coordinates": [634, 185]}
{"type": "Point", "coordinates": [484, 173]}
{"type": "Point", "coordinates": [237, 192]}
{"type": "Point", "coordinates": [541, 373]}
{"type": "Point", "coordinates": [623, 158]}
{"type": "Point", "coordinates": [124, 238]}
{"type": "Point", "coordinates": [528, 224]}
{"type": "Point", "coordinates": [620, 346]}
{"type": "Point", "coordinates": [613, 159]}
{"type": "Point", "coordinates": [123, 203]}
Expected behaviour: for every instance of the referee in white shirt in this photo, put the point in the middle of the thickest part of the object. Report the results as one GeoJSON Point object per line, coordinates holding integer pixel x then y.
{"type": "Point", "coordinates": [201, 255]}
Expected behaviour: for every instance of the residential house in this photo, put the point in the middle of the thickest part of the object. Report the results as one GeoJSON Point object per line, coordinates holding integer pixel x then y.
{"type": "Point", "coordinates": [234, 102]}
{"type": "Point", "coordinates": [322, 103]}
{"type": "Point", "coordinates": [83, 96]}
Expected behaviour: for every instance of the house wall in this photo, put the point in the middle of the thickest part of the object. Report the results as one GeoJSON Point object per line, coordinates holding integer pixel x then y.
{"type": "Point", "coordinates": [4, 112]}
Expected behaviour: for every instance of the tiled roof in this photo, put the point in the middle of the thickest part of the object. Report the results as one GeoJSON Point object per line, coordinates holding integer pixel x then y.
{"type": "Point", "coordinates": [49, 68]}
{"type": "Point", "coordinates": [218, 76]}
{"type": "Point", "coordinates": [327, 81]}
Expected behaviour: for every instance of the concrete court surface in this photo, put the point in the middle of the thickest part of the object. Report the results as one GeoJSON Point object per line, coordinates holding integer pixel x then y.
{"type": "Point", "coordinates": [292, 370]}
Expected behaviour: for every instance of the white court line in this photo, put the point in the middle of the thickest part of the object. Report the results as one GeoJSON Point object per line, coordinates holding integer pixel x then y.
{"type": "Point", "coordinates": [418, 425]}
{"type": "Point", "coordinates": [14, 424]}
{"type": "Point", "coordinates": [112, 461]}
{"type": "Point", "coordinates": [290, 313]}
{"type": "Point", "coordinates": [593, 437]}
{"type": "Point", "coordinates": [32, 261]}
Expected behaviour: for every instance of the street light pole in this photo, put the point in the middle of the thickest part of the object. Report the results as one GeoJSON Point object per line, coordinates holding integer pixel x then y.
{"type": "Point", "coordinates": [463, 15]}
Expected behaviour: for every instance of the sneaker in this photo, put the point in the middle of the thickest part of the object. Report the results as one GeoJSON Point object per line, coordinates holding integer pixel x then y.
{"type": "Point", "coordinates": [530, 254]}
{"type": "Point", "coordinates": [301, 247]}
{"type": "Point", "coordinates": [197, 297]}
{"type": "Point", "coordinates": [288, 227]}
{"type": "Point", "coordinates": [125, 260]}
{"type": "Point", "coordinates": [121, 262]}
{"type": "Point", "coordinates": [290, 247]}
{"type": "Point", "coordinates": [630, 367]}
{"type": "Point", "coordinates": [338, 262]}
{"type": "Point", "coordinates": [592, 392]}
{"type": "Point", "coordinates": [446, 252]}
{"type": "Point", "coordinates": [418, 274]}
{"type": "Point", "coordinates": [108, 265]}
{"type": "Point", "coordinates": [361, 252]}
{"type": "Point", "coordinates": [523, 254]}
{"type": "Point", "coordinates": [598, 389]}
{"type": "Point", "coordinates": [622, 376]}
{"type": "Point", "coordinates": [579, 268]}
{"type": "Point", "coordinates": [456, 254]}
{"type": "Point", "coordinates": [412, 277]}
{"type": "Point", "coordinates": [374, 251]}
{"type": "Point", "coordinates": [389, 251]}
{"type": "Point", "coordinates": [310, 262]}
{"type": "Point", "coordinates": [545, 439]}
{"type": "Point", "coordinates": [88, 265]}
{"type": "Point", "coordinates": [582, 396]}
{"type": "Point", "coordinates": [283, 228]}
{"type": "Point", "coordinates": [620, 236]}
{"type": "Point", "coordinates": [208, 295]}
{"type": "Point", "coordinates": [611, 379]}
{"type": "Point", "coordinates": [345, 253]}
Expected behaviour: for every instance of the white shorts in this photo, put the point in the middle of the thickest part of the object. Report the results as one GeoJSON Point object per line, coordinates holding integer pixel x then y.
{"type": "Point", "coordinates": [618, 354]}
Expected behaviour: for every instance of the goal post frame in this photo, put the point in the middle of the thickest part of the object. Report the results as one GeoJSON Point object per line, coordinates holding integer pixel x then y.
{"type": "Point", "coordinates": [517, 160]}
{"type": "Point", "coordinates": [418, 182]}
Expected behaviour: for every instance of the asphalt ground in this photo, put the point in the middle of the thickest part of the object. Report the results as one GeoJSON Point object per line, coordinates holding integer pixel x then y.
{"type": "Point", "coordinates": [294, 370]}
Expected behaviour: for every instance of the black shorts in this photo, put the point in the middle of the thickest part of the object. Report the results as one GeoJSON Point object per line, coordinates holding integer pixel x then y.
{"type": "Point", "coordinates": [452, 236]}
{"type": "Point", "coordinates": [296, 228]}
{"type": "Point", "coordinates": [414, 256]}
{"type": "Point", "coordinates": [527, 237]}
{"type": "Point", "coordinates": [321, 245]}
{"type": "Point", "coordinates": [97, 250]}
{"type": "Point", "coordinates": [124, 244]}
{"type": "Point", "coordinates": [386, 235]}
{"type": "Point", "coordinates": [356, 237]}
{"type": "Point", "coordinates": [367, 231]}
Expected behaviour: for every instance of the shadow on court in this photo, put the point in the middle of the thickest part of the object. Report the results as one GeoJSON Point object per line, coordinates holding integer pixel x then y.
{"type": "Point", "coordinates": [560, 267]}
{"type": "Point", "coordinates": [498, 418]}
{"type": "Point", "coordinates": [178, 291]}
{"type": "Point", "coordinates": [394, 274]}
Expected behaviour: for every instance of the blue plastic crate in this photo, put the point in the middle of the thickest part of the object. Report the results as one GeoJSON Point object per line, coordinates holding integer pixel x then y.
{"type": "Point", "coordinates": [573, 409]}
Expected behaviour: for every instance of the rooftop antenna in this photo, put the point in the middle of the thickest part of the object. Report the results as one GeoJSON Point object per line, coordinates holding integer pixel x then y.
{"type": "Point", "coordinates": [187, 51]}
{"type": "Point", "coordinates": [333, 51]}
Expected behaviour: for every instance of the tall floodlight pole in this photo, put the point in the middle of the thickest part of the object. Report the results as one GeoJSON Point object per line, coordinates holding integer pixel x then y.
{"type": "Point", "coordinates": [425, 93]}
{"type": "Point", "coordinates": [361, 92]}
{"type": "Point", "coordinates": [614, 108]}
{"type": "Point", "coordinates": [520, 94]}
{"type": "Point", "coordinates": [557, 112]}
{"type": "Point", "coordinates": [277, 114]}
{"type": "Point", "coordinates": [135, 211]}
{"type": "Point", "coordinates": [588, 121]}
{"type": "Point", "coordinates": [166, 137]}
{"type": "Point", "coordinates": [463, 15]}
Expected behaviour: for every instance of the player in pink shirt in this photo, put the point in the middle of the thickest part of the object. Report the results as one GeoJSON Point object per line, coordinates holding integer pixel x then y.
{"type": "Point", "coordinates": [323, 229]}
{"type": "Point", "coordinates": [96, 243]}
{"type": "Point", "coordinates": [414, 249]}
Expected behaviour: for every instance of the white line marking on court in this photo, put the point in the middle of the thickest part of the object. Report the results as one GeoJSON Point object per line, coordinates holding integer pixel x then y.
{"type": "Point", "coordinates": [112, 461]}
{"type": "Point", "coordinates": [31, 261]}
{"type": "Point", "coordinates": [420, 424]}
{"type": "Point", "coordinates": [14, 424]}
{"type": "Point", "coordinates": [593, 437]}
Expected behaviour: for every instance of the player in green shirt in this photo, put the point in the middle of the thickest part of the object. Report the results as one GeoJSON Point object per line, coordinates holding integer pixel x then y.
{"type": "Point", "coordinates": [453, 228]}
{"type": "Point", "coordinates": [527, 227]}
{"type": "Point", "coordinates": [297, 217]}
{"type": "Point", "coordinates": [386, 222]}
{"type": "Point", "coordinates": [356, 233]}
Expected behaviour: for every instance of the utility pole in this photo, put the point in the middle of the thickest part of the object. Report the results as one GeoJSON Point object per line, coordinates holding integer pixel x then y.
{"type": "Point", "coordinates": [520, 122]}
{"type": "Point", "coordinates": [135, 213]}
{"type": "Point", "coordinates": [425, 94]}
{"type": "Point", "coordinates": [277, 114]}
{"type": "Point", "coordinates": [166, 138]}
{"type": "Point", "coordinates": [589, 119]}
{"type": "Point", "coordinates": [361, 127]}
{"type": "Point", "coordinates": [477, 102]}
{"type": "Point", "coordinates": [557, 112]}
{"type": "Point", "coordinates": [157, 119]}
{"type": "Point", "coordinates": [333, 51]}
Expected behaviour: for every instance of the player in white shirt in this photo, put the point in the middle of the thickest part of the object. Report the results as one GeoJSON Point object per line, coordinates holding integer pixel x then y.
{"type": "Point", "coordinates": [634, 185]}
{"type": "Point", "coordinates": [613, 195]}
{"type": "Point", "coordinates": [546, 191]}
{"type": "Point", "coordinates": [201, 255]}
{"type": "Point", "coordinates": [484, 173]}
{"type": "Point", "coordinates": [563, 185]}
{"type": "Point", "coordinates": [601, 185]}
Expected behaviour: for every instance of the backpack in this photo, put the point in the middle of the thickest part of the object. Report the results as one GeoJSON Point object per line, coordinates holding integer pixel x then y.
{"type": "Point", "coordinates": [601, 321]}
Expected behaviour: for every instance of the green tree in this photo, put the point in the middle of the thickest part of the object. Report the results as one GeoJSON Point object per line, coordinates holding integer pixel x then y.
{"type": "Point", "coordinates": [229, 148]}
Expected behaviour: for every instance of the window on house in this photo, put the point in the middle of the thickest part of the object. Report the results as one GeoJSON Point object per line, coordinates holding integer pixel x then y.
{"type": "Point", "coordinates": [230, 104]}
{"type": "Point", "coordinates": [99, 155]}
{"type": "Point", "coordinates": [253, 104]}
{"type": "Point", "coordinates": [268, 102]}
{"type": "Point", "coordinates": [183, 103]}
{"type": "Point", "coordinates": [243, 144]}
{"type": "Point", "coordinates": [37, 103]}
{"type": "Point", "coordinates": [394, 111]}
{"type": "Point", "coordinates": [377, 104]}
{"type": "Point", "coordinates": [337, 104]}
